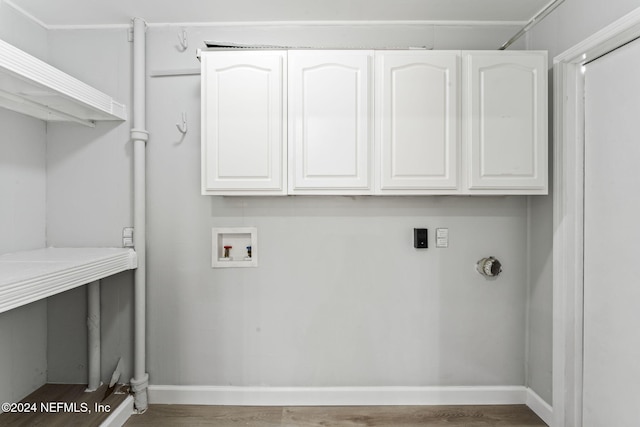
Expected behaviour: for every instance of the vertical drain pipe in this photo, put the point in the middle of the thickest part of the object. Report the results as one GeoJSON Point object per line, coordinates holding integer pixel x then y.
{"type": "Point", "coordinates": [139, 136]}
{"type": "Point", "coordinates": [93, 335]}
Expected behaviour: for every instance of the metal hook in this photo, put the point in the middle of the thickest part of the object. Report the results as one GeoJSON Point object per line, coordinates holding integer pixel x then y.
{"type": "Point", "coordinates": [182, 128]}
{"type": "Point", "coordinates": [182, 38]}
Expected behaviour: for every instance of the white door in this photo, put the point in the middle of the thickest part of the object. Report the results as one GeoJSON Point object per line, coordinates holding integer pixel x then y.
{"type": "Point", "coordinates": [506, 121]}
{"type": "Point", "coordinates": [611, 378]}
{"type": "Point", "coordinates": [243, 122]}
{"type": "Point", "coordinates": [416, 121]}
{"type": "Point", "coordinates": [330, 137]}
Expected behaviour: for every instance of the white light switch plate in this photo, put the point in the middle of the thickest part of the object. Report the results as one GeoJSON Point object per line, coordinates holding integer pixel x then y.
{"type": "Point", "coordinates": [442, 237]}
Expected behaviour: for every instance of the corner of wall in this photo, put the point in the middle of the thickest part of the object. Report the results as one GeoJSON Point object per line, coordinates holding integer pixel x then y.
{"type": "Point", "coordinates": [23, 331]}
{"type": "Point", "coordinates": [23, 30]}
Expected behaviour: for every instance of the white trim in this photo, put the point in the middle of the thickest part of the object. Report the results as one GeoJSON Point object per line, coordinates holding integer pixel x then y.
{"type": "Point", "coordinates": [528, 285]}
{"type": "Point", "coordinates": [89, 27]}
{"type": "Point", "coordinates": [271, 23]}
{"type": "Point", "coordinates": [336, 396]}
{"type": "Point", "coordinates": [341, 23]}
{"type": "Point", "coordinates": [26, 14]}
{"type": "Point", "coordinates": [567, 246]}
{"type": "Point", "coordinates": [539, 406]}
{"type": "Point", "coordinates": [568, 213]}
{"type": "Point", "coordinates": [452, 23]}
{"type": "Point", "coordinates": [175, 72]}
{"type": "Point", "coordinates": [120, 415]}
{"type": "Point", "coordinates": [614, 35]}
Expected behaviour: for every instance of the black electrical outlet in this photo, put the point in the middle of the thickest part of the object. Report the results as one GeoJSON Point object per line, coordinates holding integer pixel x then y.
{"type": "Point", "coordinates": [420, 240]}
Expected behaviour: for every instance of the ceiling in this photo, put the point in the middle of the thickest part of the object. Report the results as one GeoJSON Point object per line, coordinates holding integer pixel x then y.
{"type": "Point", "coordinates": [64, 13]}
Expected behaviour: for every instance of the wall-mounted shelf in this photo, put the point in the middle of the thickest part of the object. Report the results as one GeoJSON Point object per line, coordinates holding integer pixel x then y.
{"type": "Point", "coordinates": [230, 247]}
{"type": "Point", "coordinates": [33, 87]}
{"type": "Point", "coordinates": [30, 276]}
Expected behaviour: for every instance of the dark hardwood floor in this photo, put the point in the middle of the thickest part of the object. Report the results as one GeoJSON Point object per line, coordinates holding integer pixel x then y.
{"type": "Point", "coordinates": [347, 416]}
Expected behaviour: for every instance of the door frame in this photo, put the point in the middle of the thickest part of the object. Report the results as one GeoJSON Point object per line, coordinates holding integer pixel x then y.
{"type": "Point", "coordinates": [568, 213]}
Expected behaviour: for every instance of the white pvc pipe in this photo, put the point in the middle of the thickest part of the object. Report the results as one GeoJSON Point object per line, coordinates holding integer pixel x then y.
{"type": "Point", "coordinates": [139, 136]}
{"type": "Point", "coordinates": [93, 335]}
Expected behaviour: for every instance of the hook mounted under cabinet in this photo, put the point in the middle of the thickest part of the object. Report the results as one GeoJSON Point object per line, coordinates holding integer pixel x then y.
{"type": "Point", "coordinates": [182, 127]}
{"type": "Point", "coordinates": [182, 39]}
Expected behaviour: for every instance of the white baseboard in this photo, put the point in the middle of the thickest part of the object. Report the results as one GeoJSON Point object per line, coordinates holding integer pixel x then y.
{"type": "Point", "coordinates": [347, 396]}
{"type": "Point", "coordinates": [539, 406]}
{"type": "Point", "coordinates": [336, 396]}
{"type": "Point", "coordinates": [120, 415]}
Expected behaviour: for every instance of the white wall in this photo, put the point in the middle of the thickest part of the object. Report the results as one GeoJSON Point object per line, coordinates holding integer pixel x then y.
{"type": "Point", "coordinates": [22, 182]}
{"type": "Point", "coordinates": [182, 228]}
{"type": "Point", "coordinates": [23, 331]}
{"type": "Point", "coordinates": [540, 313]}
{"type": "Point", "coordinates": [340, 298]}
{"type": "Point", "coordinates": [89, 201]}
{"type": "Point", "coordinates": [572, 22]}
{"type": "Point", "coordinates": [22, 32]}
{"type": "Point", "coordinates": [611, 343]}
{"type": "Point", "coordinates": [23, 364]}
{"type": "Point", "coordinates": [540, 278]}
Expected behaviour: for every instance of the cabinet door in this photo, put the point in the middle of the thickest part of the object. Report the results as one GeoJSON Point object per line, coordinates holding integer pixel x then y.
{"type": "Point", "coordinates": [243, 122]}
{"type": "Point", "coordinates": [329, 122]}
{"type": "Point", "coordinates": [506, 121]}
{"type": "Point", "coordinates": [416, 122]}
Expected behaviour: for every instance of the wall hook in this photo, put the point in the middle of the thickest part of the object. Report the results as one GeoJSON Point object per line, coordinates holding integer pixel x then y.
{"type": "Point", "coordinates": [182, 127]}
{"type": "Point", "coordinates": [182, 38]}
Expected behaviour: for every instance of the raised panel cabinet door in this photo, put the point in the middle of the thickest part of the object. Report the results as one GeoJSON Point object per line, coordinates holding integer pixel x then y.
{"type": "Point", "coordinates": [416, 121]}
{"type": "Point", "coordinates": [243, 122]}
{"type": "Point", "coordinates": [506, 119]}
{"type": "Point", "coordinates": [330, 137]}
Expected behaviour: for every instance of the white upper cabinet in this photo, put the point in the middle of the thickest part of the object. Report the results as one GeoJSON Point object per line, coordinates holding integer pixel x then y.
{"type": "Point", "coordinates": [330, 126]}
{"type": "Point", "coordinates": [506, 122]}
{"type": "Point", "coordinates": [243, 122]}
{"type": "Point", "coordinates": [278, 122]}
{"type": "Point", "coordinates": [417, 138]}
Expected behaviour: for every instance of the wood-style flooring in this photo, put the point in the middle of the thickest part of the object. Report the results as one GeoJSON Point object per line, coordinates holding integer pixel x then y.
{"type": "Point", "coordinates": [347, 416]}
{"type": "Point", "coordinates": [55, 414]}
{"type": "Point", "coordinates": [262, 416]}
